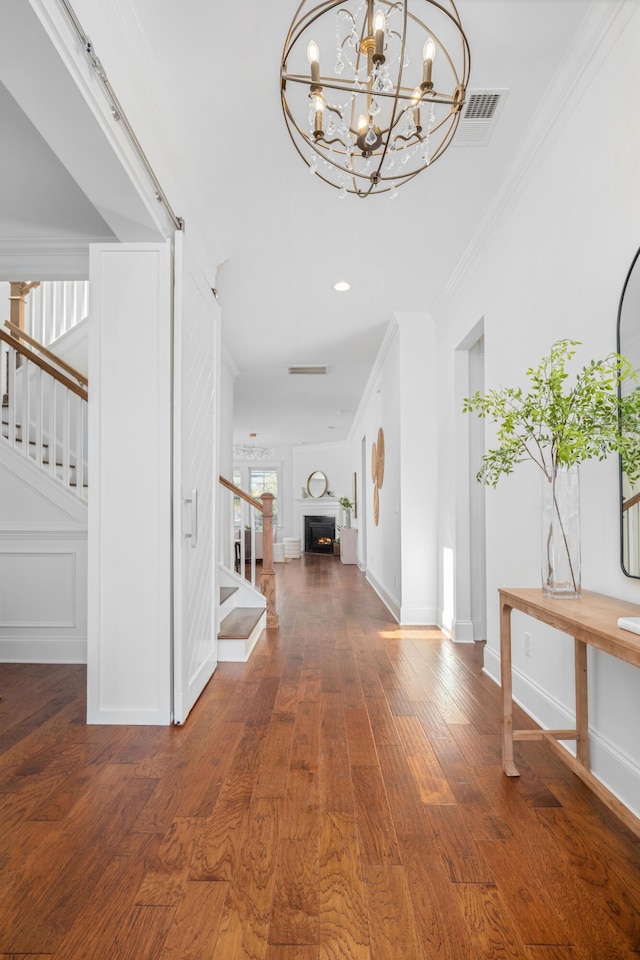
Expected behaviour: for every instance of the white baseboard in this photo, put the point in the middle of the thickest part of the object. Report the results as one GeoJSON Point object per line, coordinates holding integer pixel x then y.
{"type": "Point", "coordinates": [138, 718]}
{"type": "Point", "coordinates": [618, 772]}
{"type": "Point", "coordinates": [463, 631]}
{"type": "Point", "coordinates": [390, 602]}
{"type": "Point", "coordinates": [70, 650]}
{"type": "Point", "coordinates": [418, 616]}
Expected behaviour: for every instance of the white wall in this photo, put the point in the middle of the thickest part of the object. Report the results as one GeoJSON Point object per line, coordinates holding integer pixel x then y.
{"type": "Point", "coordinates": [554, 267]}
{"type": "Point", "coordinates": [332, 459]}
{"type": "Point", "coordinates": [228, 373]}
{"type": "Point", "coordinates": [5, 306]}
{"type": "Point", "coordinates": [400, 398]}
{"type": "Point", "coordinates": [43, 566]}
{"type": "Point", "coordinates": [129, 638]}
{"type": "Point", "coordinates": [418, 475]}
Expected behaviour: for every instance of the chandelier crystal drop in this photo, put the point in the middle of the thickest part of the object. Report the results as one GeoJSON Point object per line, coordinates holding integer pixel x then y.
{"type": "Point", "coordinates": [372, 91]}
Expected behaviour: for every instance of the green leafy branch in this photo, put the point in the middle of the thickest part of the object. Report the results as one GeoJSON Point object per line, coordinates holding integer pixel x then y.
{"type": "Point", "coordinates": [556, 424]}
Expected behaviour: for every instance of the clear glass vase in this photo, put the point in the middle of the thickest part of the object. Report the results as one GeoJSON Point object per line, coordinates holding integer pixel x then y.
{"type": "Point", "coordinates": [561, 533]}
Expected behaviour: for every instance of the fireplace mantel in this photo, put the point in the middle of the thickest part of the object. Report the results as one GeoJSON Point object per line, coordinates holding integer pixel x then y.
{"type": "Point", "coordinates": [312, 507]}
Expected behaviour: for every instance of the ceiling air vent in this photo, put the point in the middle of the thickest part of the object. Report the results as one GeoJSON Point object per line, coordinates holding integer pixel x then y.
{"type": "Point", "coordinates": [309, 369]}
{"type": "Point", "coordinates": [479, 116]}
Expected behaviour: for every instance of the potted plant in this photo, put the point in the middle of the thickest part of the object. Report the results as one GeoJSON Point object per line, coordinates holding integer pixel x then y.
{"type": "Point", "coordinates": [347, 506]}
{"type": "Point", "coordinates": [557, 425]}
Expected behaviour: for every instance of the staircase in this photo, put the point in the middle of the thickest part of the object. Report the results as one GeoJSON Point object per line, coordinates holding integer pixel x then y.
{"type": "Point", "coordinates": [65, 472]}
{"type": "Point", "coordinates": [244, 611]}
{"type": "Point", "coordinates": [44, 409]}
{"type": "Point", "coordinates": [44, 431]}
{"type": "Point", "coordinates": [239, 627]}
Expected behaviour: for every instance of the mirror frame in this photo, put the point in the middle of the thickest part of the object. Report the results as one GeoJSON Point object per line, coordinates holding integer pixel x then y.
{"type": "Point", "coordinates": [635, 263]}
{"type": "Point", "coordinates": [317, 474]}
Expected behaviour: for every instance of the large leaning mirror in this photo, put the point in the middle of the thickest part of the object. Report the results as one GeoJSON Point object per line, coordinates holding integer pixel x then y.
{"type": "Point", "coordinates": [629, 345]}
{"type": "Point", "coordinates": [317, 484]}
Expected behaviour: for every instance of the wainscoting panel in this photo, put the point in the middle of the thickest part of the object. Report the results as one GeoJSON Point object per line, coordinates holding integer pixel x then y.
{"type": "Point", "coordinates": [43, 605]}
{"type": "Point", "coordinates": [52, 604]}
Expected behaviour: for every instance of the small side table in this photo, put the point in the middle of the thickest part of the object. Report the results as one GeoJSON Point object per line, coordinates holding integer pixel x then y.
{"type": "Point", "coordinates": [591, 621]}
{"type": "Point", "coordinates": [349, 545]}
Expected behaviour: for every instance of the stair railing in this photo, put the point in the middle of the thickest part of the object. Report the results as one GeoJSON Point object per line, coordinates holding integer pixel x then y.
{"type": "Point", "coordinates": [44, 410]}
{"type": "Point", "coordinates": [242, 511]}
{"type": "Point", "coordinates": [65, 367]}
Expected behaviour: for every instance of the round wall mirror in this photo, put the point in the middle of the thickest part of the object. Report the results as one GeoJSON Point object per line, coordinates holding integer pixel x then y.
{"type": "Point", "coordinates": [629, 345]}
{"type": "Point", "coordinates": [317, 484]}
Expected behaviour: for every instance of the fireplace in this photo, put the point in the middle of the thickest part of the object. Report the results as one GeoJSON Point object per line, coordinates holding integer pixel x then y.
{"type": "Point", "coordinates": [319, 534]}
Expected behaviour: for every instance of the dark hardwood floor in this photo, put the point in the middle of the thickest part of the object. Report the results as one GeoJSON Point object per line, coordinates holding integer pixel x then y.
{"type": "Point", "coordinates": [339, 797]}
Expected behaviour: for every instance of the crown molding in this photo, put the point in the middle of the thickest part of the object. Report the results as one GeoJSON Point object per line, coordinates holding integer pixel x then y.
{"type": "Point", "coordinates": [46, 258]}
{"type": "Point", "coordinates": [393, 331]}
{"type": "Point", "coordinates": [400, 319]}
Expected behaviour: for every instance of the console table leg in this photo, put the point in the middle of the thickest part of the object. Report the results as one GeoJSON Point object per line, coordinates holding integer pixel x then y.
{"type": "Point", "coordinates": [582, 702]}
{"type": "Point", "coordinates": [508, 764]}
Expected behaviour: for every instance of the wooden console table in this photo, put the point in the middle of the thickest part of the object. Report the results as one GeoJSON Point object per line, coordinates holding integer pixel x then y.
{"type": "Point", "coordinates": [591, 621]}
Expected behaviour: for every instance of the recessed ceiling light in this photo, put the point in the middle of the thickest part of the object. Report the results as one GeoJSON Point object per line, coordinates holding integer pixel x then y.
{"type": "Point", "coordinates": [341, 286]}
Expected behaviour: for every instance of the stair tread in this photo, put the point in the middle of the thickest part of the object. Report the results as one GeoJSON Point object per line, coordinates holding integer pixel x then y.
{"type": "Point", "coordinates": [239, 624]}
{"type": "Point", "coordinates": [226, 592]}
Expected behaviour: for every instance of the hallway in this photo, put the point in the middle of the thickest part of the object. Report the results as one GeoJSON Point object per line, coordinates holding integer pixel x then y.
{"type": "Point", "coordinates": [339, 797]}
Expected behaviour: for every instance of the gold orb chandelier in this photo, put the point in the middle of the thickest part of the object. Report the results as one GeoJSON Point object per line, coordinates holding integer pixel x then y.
{"type": "Point", "coordinates": [372, 92]}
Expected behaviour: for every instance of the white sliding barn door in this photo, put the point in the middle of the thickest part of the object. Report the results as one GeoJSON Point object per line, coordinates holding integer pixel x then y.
{"type": "Point", "coordinates": [196, 356]}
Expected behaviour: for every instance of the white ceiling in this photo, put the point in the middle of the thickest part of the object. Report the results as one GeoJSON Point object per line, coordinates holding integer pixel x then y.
{"type": "Point", "coordinates": [207, 81]}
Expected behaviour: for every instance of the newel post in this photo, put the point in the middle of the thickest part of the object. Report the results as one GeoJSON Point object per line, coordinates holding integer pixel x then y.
{"type": "Point", "coordinates": [268, 577]}
{"type": "Point", "coordinates": [18, 292]}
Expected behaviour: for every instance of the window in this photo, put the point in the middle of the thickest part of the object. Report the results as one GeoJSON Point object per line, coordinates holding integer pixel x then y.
{"type": "Point", "coordinates": [264, 481]}
{"type": "Point", "coordinates": [237, 506]}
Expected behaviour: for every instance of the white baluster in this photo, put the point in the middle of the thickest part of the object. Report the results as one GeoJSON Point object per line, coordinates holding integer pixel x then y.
{"type": "Point", "coordinates": [84, 309]}
{"type": "Point", "coordinates": [11, 393]}
{"type": "Point", "coordinates": [48, 308]}
{"type": "Point", "coordinates": [227, 548]}
{"type": "Point", "coordinates": [37, 415]}
{"type": "Point", "coordinates": [26, 407]}
{"type": "Point", "coordinates": [53, 426]}
{"type": "Point", "coordinates": [252, 513]}
{"type": "Point", "coordinates": [64, 451]}
{"type": "Point", "coordinates": [4, 371]}
{"type": "Point", "coordinates": [80, 446]}
{"type": "Point", "coordinates": [66, 305]}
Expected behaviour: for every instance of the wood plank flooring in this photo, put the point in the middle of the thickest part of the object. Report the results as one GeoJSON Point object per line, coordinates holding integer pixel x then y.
{"type": "Point", "coordinates": [339, 797]}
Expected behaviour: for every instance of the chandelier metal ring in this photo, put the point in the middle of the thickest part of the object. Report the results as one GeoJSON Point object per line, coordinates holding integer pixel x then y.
{"type": "Point", "coordinates": [370, 132]}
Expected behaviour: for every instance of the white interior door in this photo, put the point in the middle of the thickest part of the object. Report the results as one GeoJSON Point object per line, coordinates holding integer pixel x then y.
{"type": "Point", "coordinates": [196, 355]}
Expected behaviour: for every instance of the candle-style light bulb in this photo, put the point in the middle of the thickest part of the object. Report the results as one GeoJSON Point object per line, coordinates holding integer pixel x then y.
{"type": "Point", "coordinates": [363, 123]}
{"type": "Point", "coordinates": [428, 56]}
{"type": "Point", "coordinates": [313, 56]}
{"type": "Point", "coordinates": [379, 26]}
{"type": "Point", "coordinates": [429, 50]}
